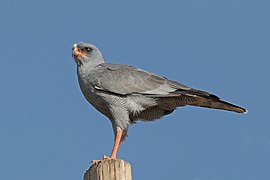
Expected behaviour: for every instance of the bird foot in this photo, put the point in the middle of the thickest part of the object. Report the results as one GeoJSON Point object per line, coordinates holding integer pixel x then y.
{"type": "Point", "coordinates": [102, 159]}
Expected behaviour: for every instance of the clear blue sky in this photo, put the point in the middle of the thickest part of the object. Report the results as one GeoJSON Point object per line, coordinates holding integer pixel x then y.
{"type": "Point", "coordinates": [49, 132]}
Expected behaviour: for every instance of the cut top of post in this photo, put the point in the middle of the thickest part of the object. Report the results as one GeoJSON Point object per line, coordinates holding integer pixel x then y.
{"type": "Point", "coordinates": [114, 169]}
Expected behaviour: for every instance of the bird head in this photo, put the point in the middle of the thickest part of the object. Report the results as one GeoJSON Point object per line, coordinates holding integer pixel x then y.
{"type": "Point", "coordinates": [85, 53]}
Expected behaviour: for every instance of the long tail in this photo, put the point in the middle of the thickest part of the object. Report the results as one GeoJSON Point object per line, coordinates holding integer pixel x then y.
{"type": "Point", "coordinates": [217, 104]}
{"type": "Point", "coordinates": [204, 99]}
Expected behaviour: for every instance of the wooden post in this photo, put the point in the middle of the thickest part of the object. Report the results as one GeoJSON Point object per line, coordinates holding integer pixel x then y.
{"type": "Point", "coordinates": [115, 169]}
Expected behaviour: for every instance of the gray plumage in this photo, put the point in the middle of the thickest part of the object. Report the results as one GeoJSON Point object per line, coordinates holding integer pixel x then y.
{"type": "Point", "coordinates": [126, 94]}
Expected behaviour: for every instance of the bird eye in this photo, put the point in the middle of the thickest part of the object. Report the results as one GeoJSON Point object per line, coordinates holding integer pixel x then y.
{"type": "Point", "coordinates": [87, 49]}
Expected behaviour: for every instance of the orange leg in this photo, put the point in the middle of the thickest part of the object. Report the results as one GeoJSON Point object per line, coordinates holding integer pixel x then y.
{"type": "Point", "coordinates": [116, 145]}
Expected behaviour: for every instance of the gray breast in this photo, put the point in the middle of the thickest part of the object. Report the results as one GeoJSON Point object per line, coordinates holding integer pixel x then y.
{"type": "Point", "coordinates": [93, 97]}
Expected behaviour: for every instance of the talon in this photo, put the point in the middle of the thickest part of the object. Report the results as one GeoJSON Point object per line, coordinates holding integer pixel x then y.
{"type": "Point", "coordinates": [96, 161]}
{"type": "Point", "coordinates": [107, 157]}
{"type": "Point", "coordinates": [104, 157]}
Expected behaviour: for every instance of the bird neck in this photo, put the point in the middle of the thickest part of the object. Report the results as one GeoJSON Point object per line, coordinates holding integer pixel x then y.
{"type": "Point", "coordinates": [88, 66]}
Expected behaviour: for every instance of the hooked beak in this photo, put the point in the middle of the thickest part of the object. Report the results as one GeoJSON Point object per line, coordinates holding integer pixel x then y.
{"type": "Point", "coordinates": [76, 52]}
